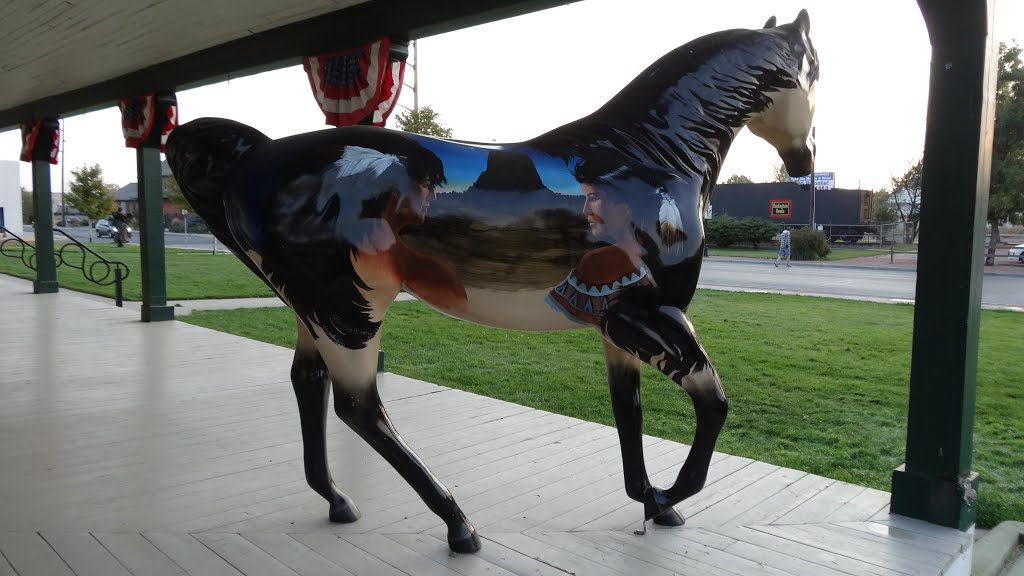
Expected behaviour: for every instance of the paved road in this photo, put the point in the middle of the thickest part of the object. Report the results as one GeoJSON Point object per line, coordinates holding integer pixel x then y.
{"type": "Point", "coordinates": [171, 240]}
{"type": "Point", "coordinates": [832, 280]}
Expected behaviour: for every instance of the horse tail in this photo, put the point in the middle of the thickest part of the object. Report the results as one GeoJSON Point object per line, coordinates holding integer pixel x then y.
{"type": "Point", "coordinates": [204, 156]}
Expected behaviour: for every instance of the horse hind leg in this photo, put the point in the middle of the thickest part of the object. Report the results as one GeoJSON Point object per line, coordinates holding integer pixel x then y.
{"type": "Point", "coordinates": [624, 387]}
{"type": "Point", "coordinates": [358, 404]}
{"type": "Point", "coordinates": [664, 338]}
{"type": "Point", "coordinates": [311, 383]}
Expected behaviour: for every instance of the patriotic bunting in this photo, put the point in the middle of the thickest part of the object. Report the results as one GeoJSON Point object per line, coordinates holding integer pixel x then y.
{"type": "Point", "coordinates": [30, 135]}
{"type": "Point", "coordinates": [358, 86]}
{"type": "Point", "coordinates": [139, 114]}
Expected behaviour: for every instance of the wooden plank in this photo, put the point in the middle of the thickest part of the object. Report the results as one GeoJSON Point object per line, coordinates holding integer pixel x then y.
{"type": "Point", "coordinates": [245, 556]}
{"type": "Point", "coordinates": [438, 551]}
{"type": "Point", "coordinates": [861, 507]}
{"type": "Point", "coordinates": [785, 562]}
{"type": "Point", "coordinates": [565, 561]}
{"type": "Point", "coordinates": [190, 554]}
{"type": "Point", "coordinates": [807, 552]}
{"type": "Point", "coordinates": [868, 543]}
{"type": "Point", "coordinates": [294, 554]}
{"type": "Point", "coordinates": [745, 499]}
{"type": "Point", "coordinates": [680, 561]}
{"type": "Point", "coordinates": [892, 533]}
{"type": "Point", "coordinates": [30, 555]}
{"type": "Point", "coordinates": [138, 555]}
{"type": "Point", "coordinates": [925, 528]}
{"type": "Point", "coordinates": [596, 552]}
{"type": "Point", "coordinates": [782, 502]}
{"type": "Point", "coordinates": [845, 548]}
{"type": "Point", "coordinates": [674, 542]}
{"type": "Point", "coordinates": [84, 554]}
{"type": "Point", "coordinates": [394, 553]}
{"type": "Point", "coordinates": [347, 555]}
{"type": "Point", "coordinates": [821, 504]}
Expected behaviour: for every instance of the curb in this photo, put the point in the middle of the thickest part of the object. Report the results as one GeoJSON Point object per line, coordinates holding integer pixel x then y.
{"type": "Point", "coordinates": [992, 550]}
{"type": "Point", "coordinates": [811, 263]}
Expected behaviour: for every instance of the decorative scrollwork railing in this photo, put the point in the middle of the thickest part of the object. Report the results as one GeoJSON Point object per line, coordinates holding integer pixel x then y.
{"type": "Point", "coordinates": [74, 254]}
{"type": "Point", "coordinates": [17, 247]}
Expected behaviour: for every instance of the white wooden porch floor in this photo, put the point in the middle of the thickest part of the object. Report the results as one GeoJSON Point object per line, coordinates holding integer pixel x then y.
{"type": "Point", "coordinates": [165, 449]}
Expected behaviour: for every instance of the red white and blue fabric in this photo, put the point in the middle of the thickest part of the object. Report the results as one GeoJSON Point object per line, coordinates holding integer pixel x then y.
{"type": "Point", "coordinates": [30, 135]}
{"type": "Point", "coordinates": [170, 124]}
{"type": "Point", "coordinates": [137, 119]}
{"type": "Point", "coordinates": [356, 86]}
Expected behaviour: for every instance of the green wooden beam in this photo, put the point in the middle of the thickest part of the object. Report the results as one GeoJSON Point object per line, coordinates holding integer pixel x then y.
{"type": "Point", "coordinates": [42, 211]}
{"type": "Point", "coordinates": [936, 483]}
{"type": "Point", "coordinates": [151, 227]}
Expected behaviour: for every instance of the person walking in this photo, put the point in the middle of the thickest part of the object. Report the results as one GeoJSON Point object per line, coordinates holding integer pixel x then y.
{"type": "Point", "coordinates": [783, 248]}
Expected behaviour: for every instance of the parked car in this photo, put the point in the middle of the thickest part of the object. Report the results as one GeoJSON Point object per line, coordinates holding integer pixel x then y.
{"type": "Point", "coordinates": [1016, 253]}
{"type": "Point", "coordinates": [104, 228]}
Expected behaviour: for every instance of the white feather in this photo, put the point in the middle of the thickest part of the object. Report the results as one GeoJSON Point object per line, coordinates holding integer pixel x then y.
{"type": "Point", "coordinates": [669, 213]}
{"type": "Point", "coordinates": [357, 160]}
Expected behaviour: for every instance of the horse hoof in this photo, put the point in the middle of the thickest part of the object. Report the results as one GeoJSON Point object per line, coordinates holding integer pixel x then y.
{"type": "Point", "coordinates": [656, 504]}
{"type": "Point", "coordinates": [462, 538]}
{"type": "Point", "coordinates": [343, 511]}
{"type": "Point", "coordinates": [669, 518]}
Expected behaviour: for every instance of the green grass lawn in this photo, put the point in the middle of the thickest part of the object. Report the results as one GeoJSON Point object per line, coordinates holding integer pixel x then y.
{"type": "Point", "coordinates": [815, 384]}
{"type": "Point", "coordinates": [191, 274]}
{"type": "Point", "coordinates": [837, 253]}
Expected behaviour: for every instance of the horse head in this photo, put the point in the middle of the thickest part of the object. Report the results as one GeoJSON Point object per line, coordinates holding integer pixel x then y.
{"type": "Point", "coordinates": [786, 122]}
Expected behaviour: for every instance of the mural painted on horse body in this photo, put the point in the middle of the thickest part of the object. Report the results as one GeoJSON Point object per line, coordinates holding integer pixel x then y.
{"type": "Point", "coordinates": [597, 224]}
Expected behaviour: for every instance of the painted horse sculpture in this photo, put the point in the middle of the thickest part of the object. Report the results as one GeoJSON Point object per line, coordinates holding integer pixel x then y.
{"type": "Point", "coordinates": [597, 224]}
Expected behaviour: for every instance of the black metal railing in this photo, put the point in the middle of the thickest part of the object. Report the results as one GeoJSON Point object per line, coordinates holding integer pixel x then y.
{"type": "Point", "coordinates": [101, 271]}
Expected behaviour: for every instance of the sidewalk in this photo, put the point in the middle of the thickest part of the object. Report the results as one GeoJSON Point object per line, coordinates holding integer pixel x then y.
{"type": "Point", "coordinates": [900, 261]}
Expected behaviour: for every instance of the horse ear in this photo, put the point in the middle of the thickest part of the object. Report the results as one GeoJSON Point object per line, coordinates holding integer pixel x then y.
{"type": "Point", "coordinates": [803, 22]}
{"type": "Point", "coordinates": [770, 23]}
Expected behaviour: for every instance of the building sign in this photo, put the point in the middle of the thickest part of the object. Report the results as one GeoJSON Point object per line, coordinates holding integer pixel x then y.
{"type": "Point", "coordinates": [781, 209]}
{"type": "Point", "coordinates": [822, 180]}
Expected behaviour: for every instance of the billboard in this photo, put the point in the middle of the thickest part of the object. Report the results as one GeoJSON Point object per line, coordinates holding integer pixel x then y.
{"type": "Point", "coordinates": [822, 180]}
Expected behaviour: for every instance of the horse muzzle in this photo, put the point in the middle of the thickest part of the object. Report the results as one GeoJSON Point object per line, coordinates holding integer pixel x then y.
{"type": "Point", "coordinates": [799, 161]}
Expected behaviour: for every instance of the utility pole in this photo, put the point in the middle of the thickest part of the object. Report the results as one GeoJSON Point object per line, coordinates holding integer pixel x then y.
{"type": "Point", "coordinates": [63, 204]}
{"type": "Point", "coordinates": [814, 185]}
{"type": "Point", "coordinates": [415, 76]}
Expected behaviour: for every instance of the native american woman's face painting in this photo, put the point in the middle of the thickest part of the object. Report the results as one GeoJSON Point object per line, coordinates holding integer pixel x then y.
{"type": "Point", "coordinates": [607, 219]}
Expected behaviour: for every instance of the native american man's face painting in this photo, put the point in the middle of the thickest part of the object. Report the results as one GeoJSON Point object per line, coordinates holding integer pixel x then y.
{"type": "Point", "coordinates": [607, 219]}
{"type": "Point", "coordinates": [416, 202]}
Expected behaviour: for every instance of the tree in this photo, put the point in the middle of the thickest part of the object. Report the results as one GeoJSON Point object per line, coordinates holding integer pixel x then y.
{"type": "Point", "coordinates": [739, 179]}
{"type": "Point", "coordinates": [1006, 192]}
{"type": "Point", "coordinates": [906, 196]}
{"type": "Point", "coordinates": [882, 209]}
{"type": "Point", "coordinates": [423, 121]}
{"type": "Point", "coordinates": [26, 206]}
{"type": "Point", "coordinates": [89, 194]}
{"type": "Point", "coordinates": [174, 195]}
{"type": "Point", "coordinates": [781, 175]}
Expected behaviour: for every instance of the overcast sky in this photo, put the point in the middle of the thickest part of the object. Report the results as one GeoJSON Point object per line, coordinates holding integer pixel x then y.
{"type": "Point", "coordinates": [511, 80]}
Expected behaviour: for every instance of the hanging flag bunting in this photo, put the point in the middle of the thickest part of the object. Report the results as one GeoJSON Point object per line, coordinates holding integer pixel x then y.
{"type": "Point", "coordinates": [30, 137]}
{"type": "Point", "coordinates": [171, 116]}
{"type": "Point", "coordinates": [390, 88]}
{"type": "Point", "coordinates": [137, 119]}
{"type": "Point", "coordinates": [358, 86]}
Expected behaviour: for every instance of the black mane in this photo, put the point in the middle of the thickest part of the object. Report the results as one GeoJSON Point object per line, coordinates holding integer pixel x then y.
{"type": "Point", "coordinates": [681, 112]}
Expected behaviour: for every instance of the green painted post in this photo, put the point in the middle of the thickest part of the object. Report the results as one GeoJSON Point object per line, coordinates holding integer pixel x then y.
{"type": "Point", "coordinates": [151, 226]}
{"type": "Point", "coordinates": [42, 211]}
{"type": "Point", "coordinates": [936, 483]}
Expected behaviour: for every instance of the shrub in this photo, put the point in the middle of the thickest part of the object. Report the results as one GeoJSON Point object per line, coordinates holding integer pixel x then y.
{"type": "Point", "coordinates": [723, 231]}
{"type": "Point", "coordinates": [177, 225]}
{"type": "Point", "coordinates": [758, 231]}
{"type": "Point", "coordinates": [807, 244]}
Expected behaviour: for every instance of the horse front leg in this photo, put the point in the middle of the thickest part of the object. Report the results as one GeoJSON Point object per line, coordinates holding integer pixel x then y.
{"type": "Point", "coordinates": [664, 338]}
{"type": "Point", "coordinates": [624, 387]}
{"type": "Point", "coordinates": [311, 383]}
{"type": "Point", "coordinates": [358, 404]}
